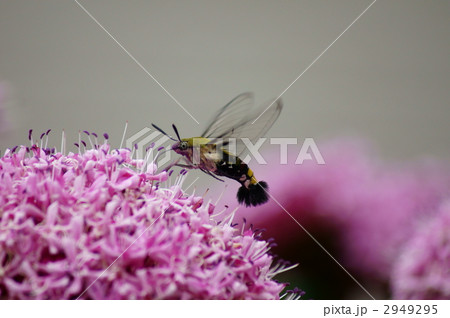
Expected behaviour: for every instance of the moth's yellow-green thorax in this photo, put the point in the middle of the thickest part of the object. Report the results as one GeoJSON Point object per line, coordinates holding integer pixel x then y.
{"type": "Point", "coordinates": [196, 141]}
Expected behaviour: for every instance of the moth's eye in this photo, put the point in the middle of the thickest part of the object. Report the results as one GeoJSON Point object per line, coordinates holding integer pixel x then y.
{"type": "Point", "coordinates": [183, 145]}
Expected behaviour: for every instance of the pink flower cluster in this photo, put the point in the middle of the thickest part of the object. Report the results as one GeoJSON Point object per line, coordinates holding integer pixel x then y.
{"type": "Point", "coordinates": [101, 225]}
{"type": "Point", "coordinates": [423, 269]}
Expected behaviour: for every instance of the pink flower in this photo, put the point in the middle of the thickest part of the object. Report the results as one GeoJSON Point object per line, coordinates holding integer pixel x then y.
{"type": "Point", "coordinates": [100, 225]}
{"type": "Point", "coordinates": [423, 269]}
{"type": "Point", "coordinates": [396, 203]}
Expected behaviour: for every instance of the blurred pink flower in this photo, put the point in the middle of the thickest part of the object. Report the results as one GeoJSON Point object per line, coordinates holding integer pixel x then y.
{"type": "Point", "coordinates": [397, 201]}
{"type": "Point", "coordinates": [423, 269]}
{"type": "Point", "coordinates": [371, 208]}
{"type": "Point", "coordinates": [65, 218]}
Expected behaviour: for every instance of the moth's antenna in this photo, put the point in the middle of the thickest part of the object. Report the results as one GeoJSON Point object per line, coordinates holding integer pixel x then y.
{"type": "Point", "coordinates": [176, 131]}
{"type": "Point", "coordinates": [163, 132]}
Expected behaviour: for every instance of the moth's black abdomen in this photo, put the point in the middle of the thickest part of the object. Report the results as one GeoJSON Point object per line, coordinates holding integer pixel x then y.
{"type": "Point", "coordinates": [254, 195]}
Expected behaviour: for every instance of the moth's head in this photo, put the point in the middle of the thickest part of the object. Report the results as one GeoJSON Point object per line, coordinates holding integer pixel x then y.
{"type": "Point", "coordinates": [182, 146]}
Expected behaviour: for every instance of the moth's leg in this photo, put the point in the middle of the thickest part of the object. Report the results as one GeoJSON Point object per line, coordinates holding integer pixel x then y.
{"type": "Point", "coordinates": [185, 165]}
{"type": "Point", "coordinates": [188, 165]}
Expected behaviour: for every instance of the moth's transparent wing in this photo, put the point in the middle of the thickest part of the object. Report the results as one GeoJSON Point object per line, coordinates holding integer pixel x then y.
{"type": "Point", "coordinates": [229, 116]}
{"type": "Point", "coordinates": [253, 127]}
{"type": "Point", "coordinates": [260, 121]}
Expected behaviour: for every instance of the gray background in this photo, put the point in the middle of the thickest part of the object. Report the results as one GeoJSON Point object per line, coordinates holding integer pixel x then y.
{"type": "Point", "coordinates": [386, 78]}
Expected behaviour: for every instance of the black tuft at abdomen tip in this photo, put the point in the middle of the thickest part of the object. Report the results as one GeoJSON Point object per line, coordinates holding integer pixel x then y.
{"type": "Point", "coordinates": [256, 194]}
